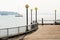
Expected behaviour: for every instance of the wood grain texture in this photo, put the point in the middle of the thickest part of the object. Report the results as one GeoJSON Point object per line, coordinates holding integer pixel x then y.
{"type": "Point", "coordinates": [45, 32]}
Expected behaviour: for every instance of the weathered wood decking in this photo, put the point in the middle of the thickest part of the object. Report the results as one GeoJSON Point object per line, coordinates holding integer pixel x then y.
{"type": "Point", "coordinates": [45, 32]}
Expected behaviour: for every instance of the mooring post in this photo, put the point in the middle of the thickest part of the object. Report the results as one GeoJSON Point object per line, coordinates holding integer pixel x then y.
{"type": "Point", "coordinates": [31, 20]}
{"type": "Point", "coordinates": [36, 14]}
{"type": "Point", "coordinates": [55, 16]}
{"type": "Point", "coordinates": [42, 21]}
{"type": "Point", "coordinates": [27, 16]}
{"type": "Point", "coordinates": [31, 16]}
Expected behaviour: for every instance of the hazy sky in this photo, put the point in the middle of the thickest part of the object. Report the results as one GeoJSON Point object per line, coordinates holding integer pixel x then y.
{"type": "Point", "coordinates": [44, 6]}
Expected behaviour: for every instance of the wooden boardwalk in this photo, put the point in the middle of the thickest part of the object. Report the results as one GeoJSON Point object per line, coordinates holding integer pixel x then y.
{"type": "Point", "coordinates": [45, 32]}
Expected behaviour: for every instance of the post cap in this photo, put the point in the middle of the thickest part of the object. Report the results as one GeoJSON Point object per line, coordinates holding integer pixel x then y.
{"type": "Point", "coordinates": [26, 5]}
{"type": "Point", "coordinates": [36, 8]}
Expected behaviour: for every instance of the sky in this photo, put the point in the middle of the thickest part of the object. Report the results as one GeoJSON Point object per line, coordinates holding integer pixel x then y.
{"type": "Point", "coordinates": [44, 6]}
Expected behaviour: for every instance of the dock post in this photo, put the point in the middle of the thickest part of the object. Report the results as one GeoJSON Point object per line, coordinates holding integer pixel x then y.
{"type": "Point", "coordinates": [36, 14]}
{"type": "Point", "coordinates": [55, 17]}
{"type": "Point", "coordinates": [27, 16]}
{"type": "Point", "coordinates": [31, 16]}
{"type": "Point", "coordinates": [31, 20]}
{"type": "Point", "coordinates": [42, 21]}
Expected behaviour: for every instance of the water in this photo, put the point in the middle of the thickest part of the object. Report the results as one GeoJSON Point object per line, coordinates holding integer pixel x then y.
{"type": "Point", "coordinates": [9, 21]}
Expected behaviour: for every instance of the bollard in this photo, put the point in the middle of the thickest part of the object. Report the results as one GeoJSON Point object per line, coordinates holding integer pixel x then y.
{"type": "Point", "coordinates": [31, 16]}
{"type": "Point", "coordinates": [42, 21]}
{"type": "Point", "coordinates": [55, 17]}
{"type": "Point", "coordinates": [36, 13]}
{"type": "Point", "coordinates": [27, 6]}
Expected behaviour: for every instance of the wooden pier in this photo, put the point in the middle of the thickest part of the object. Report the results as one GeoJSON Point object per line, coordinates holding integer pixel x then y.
{"type": "Point", "coordinates": [45, 32]}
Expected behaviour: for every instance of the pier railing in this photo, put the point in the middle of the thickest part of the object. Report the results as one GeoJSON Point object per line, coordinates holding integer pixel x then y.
{"type": "Point", "coordinates": [8, 32]}
{"type": "Point", "coordinates": [49, 22]}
